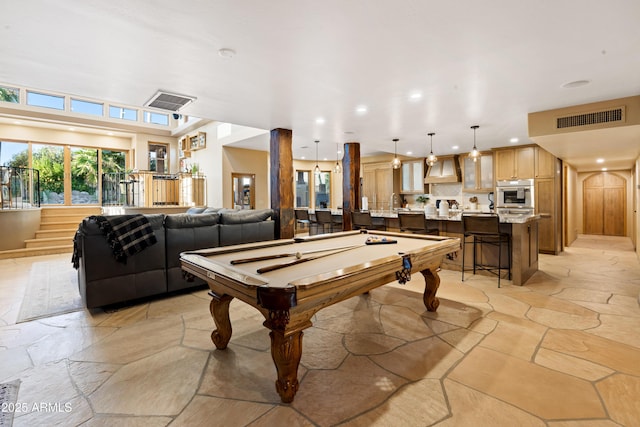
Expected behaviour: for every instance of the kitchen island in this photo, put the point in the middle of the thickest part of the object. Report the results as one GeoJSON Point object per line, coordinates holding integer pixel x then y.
{"type": "Point", "coordinates": [523, 230]}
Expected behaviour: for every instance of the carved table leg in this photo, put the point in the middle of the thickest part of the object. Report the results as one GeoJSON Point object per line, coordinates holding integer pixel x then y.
{"type": "Point", "coordinates": [286, 351]}
{"type": "Point", "coordinates": [219, 308]}
{"type": "Point", "coordinates": [432, 282]}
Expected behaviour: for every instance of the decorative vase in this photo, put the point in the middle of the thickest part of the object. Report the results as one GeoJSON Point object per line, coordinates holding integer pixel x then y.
{"type": "Point", "coordinates": [473, 206]}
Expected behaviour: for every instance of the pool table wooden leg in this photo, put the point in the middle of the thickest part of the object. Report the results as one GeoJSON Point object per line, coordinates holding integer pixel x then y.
{"type": "Point", "coordinates": [219, 308]}
{"type": "Point", "coordinates": [431, 284]}
{"type": "Point", "coordinates": [286, 351]}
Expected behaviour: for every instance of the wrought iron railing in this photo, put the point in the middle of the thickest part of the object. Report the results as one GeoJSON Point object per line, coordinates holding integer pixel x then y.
{"type": "Point", "coordinates": [150, 189]}
{"type": "Point", "coordinates": [19, 188]}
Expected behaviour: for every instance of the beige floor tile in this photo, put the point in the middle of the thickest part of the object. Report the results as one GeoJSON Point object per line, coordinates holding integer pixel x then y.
{"type": "Point", "coordinates": [427, 358]}
{"type": "Point", "coordinates": [241, 373]}
{"type": "Point", "coordinates": [506, 304]}
{"type": "Point", "coordinates": [65, 342]}
{"type": "Point", "coordinates": [55, 412]}
{"type": "Point", "coordinates": [161, 384]}
{"type": "Point", "coordinates": [111, 421]}
{"type": "Point", "coordinates": [88, 376]}
{"type": "Point", "coordinates": [472, 408]}
{"type": "Point", "coordinates": [618, 328]}
{"type": "Point", "coordinates": [417, 404]}
{"type": "Point", "coordinates": [454, 313]}
{"type": "Point", "coordinates": [403, 323]}
{"type": "Point", "coordinates": [462, 339]}
{"type": "Point", "coordinates": [134, 342]}
{"type": "Point", "coordinates": [620, 394]}
{"type": "Point", "coordinates": [583, 295]}
{"type": "Point", "coordinates": [211, 411]}
{"type": "Point", "coordinates": [281, 416]}
{"type": "Point", "coordinates": [571, 365]}
{"type": "Point", "coordinates": [364, 344]}
{"type": "Point", "coordinates": [14, 361]}
{"type": "Point", "coordinates": [359, 321]}
{"type": "Point", "coordinates": [513, 336]}
{"type": "Point", "coordinates": [583, 345]}
{"type": "Point", "coordinates": [323, 349]}
{"type": "Point", "coordinates": [542, 392]}
{"type": "Point", "coordinates": [356, 386]}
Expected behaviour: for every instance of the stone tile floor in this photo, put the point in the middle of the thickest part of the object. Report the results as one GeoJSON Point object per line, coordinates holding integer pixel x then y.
{"type": "Point", "coordinates": [563, 350]}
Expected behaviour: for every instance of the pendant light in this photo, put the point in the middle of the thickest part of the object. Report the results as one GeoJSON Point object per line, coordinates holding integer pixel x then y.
{"type": "Point", "coordinates": [396, 161]}
{"type": "Point", "coordinates": [474, 154]}
{"type": "Point", "coordinates": [338, 167]}
{"type": "Point", "coordinates": [316, 170]}
{"type": "Point", "coordinates": [431, 159]}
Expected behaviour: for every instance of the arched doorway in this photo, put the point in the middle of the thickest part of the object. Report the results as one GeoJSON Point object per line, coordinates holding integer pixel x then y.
{"type": "Point", "coordinates": [604, 204]}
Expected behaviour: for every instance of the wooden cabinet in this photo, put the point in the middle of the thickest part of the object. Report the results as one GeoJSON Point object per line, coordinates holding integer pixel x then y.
{"type": "Point", "coordinates": [514, 163]}
{"type": "Point", "coordinates": [413, 177]}
{"type": "Point", "coordinates": [477, 176]}
{"type": "Point", "coordinates": [548, 205]}
{"type": "Point", "coordinates": [446, 169]}
{"type": "Point", "coordinates": [378, 185]}
{"type": "Point", "coordinates": [545, 164]}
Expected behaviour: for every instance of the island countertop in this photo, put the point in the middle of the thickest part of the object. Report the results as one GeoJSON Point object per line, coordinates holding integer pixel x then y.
{"type": "Point", "coordinates": [456, 216]}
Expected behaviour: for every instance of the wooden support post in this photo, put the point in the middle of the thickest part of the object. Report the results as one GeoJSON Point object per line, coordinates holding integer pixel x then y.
{"type": "Point", "coordinates": [350, 182]}
{"type": "Point", "coordinates": [281, 169]}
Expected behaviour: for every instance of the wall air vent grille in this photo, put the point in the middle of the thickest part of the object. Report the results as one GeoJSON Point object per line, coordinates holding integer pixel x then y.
{"type": "Point", "coordinates": [593, 118]}
{"type": "Point", "coordinates": [169, 101]}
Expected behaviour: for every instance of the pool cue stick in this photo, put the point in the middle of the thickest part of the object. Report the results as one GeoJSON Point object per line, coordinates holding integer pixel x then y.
{"type": "Point", "coordinates": [301, 260]}
{"type": "Point", "coordinates": [284, 255]}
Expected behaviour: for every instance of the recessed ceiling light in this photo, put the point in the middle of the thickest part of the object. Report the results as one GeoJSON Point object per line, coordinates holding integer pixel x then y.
{"type": "Point", "coordinates": [600, 160]}
{"type": "Point", "coordinates": [415, 96]}
{"type": "Point", "coordinates": [319, 120]}
{"type": "Point", "coordinates": [324, 159]}
{"type": "Point", "coordinates": [226, 53]}
{"type": "Point", "coordinates": [110, 133]}
{"type": "Point", "coordinates": [17, 122]}
{"type": "Point", "coordinates": [513, 140]}
{"type": "Point", "coordinates": [455, 147]}
{"type": "Point", "coordinates": [72, 129]}
{"type": "Point", "coordinates": [302, 157]}
{"type": "Point", "coordinates": [604, 169]}
{"type": "Point", "coordinates": [361, 109]}
{"type": "Point", "coordinates": [576, 83]}
{"type": "Point", "coordinates": [409, 153]}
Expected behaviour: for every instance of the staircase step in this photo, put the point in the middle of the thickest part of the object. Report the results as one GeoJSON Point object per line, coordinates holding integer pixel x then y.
{"type": "Point", "coordinates": [63, 232]}
{"type": "Point", "coordinates": [27, 252]}
{"type": "Point", "coordinates": [59, 225]}
{"type": "Point", "coordinates": [45, 219]}
{"type": "Point", "coordinates": [74, 210]}
{"type": "Point", "coordinates": [47, 242]}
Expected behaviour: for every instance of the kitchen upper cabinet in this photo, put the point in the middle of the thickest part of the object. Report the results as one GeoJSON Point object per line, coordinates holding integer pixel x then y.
{"type": "Point", "coordinates": [514, 163]}
{"type": "Point", "coordinates": [413, 177]}
{"type": "Point", "coordinates": [477, 176]}
{"type": "Point", "coordinates": [377, 185]}
{"type": "Point", "coordinates": [545, 164]}
{"type": "Point", "coordinates": [446, 169]}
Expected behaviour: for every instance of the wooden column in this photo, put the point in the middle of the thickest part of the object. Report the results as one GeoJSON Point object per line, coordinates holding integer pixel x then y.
{"type": "Point", "coordinates": [281, 169]}
{"type": "Point", "coordinates": [350, 182]}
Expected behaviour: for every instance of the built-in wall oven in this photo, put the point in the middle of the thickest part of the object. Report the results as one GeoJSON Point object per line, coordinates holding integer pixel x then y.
{"type": "Point", "coordinates": [515, 194]}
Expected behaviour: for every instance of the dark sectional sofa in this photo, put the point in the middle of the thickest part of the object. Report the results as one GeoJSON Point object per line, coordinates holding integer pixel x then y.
{"type": "Point", "coordinates": [103, 280]}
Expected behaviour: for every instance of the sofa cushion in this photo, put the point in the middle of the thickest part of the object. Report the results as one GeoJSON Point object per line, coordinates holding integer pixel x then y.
{"type": "Point", "coordinates": [244, 216]}
{"type": "Point", "coordinates": [211, 210]}
{"type": "Point", "coordinates": [195, 210]}
{"type": "Point", "coordinates": [187, 220]}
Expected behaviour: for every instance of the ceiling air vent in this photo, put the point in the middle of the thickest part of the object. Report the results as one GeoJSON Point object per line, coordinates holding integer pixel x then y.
{"type": "Point", "coordinates": [593, 118]}
{"type": "Point", "coordinates": [169, 101]}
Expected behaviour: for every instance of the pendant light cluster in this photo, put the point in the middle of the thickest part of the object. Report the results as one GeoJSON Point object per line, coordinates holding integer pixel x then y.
{"type": "Point", "coordinates": [474, 154]}
{"type": "Point", "coordinates": [396, 161]}
{"type": "Point", "coordinates": [431, 159]}
{"type": "Point", "coordinates": [337, 168]}
{"type": "Point", "coordinates": [316, 170]}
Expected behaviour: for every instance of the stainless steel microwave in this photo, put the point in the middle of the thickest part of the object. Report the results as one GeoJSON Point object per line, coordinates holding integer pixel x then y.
{"type": "Point", "coordinates": [515, 193]}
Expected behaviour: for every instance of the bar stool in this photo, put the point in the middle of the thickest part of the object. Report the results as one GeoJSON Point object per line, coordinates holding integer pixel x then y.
{"type": "Point", "coordinates": [325, 219]}
{"type": "Point", "coordinates": [363, 221]}
{"type": "Point", "coordinates": [416, 223]}
{"type": "Point", "coordinates": [303, 220]}
{"type": "Point", "coordinates": [484, 229]}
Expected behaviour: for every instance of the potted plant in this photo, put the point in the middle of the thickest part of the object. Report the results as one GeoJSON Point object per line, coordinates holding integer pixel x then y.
{"type": "Point", "coordinates": [194, 169]}
{"type": "Point", "coordinates": [473, 203]}
{"type": "Point", "coordinates": [422, 199]}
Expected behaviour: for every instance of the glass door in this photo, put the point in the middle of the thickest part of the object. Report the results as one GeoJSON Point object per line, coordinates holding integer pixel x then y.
{"type": "Point", "coordinates": [84, 176]}
{"type": "Point", "coordinates": [49, 160]}
{"type": "Point", "coordinates": [243, 191]}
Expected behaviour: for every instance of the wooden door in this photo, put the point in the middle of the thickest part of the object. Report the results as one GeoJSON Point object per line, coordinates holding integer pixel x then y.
{"type": "Point", "coordinates": [369, 188]}
{"type": "Point", "coordinates": [384, 187]}
{"type": "Point", "coordinates": [545, 195]}
{"type": "Point", "coordinates": [604, 204]}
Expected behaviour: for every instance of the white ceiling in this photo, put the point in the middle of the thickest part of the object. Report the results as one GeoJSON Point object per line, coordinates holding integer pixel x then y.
{"type": "Point", "coordinates": [488, 63]}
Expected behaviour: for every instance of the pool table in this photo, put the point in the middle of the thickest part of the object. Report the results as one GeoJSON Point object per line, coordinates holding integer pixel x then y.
{"type": "Point", "coordinates": [301, 276]}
